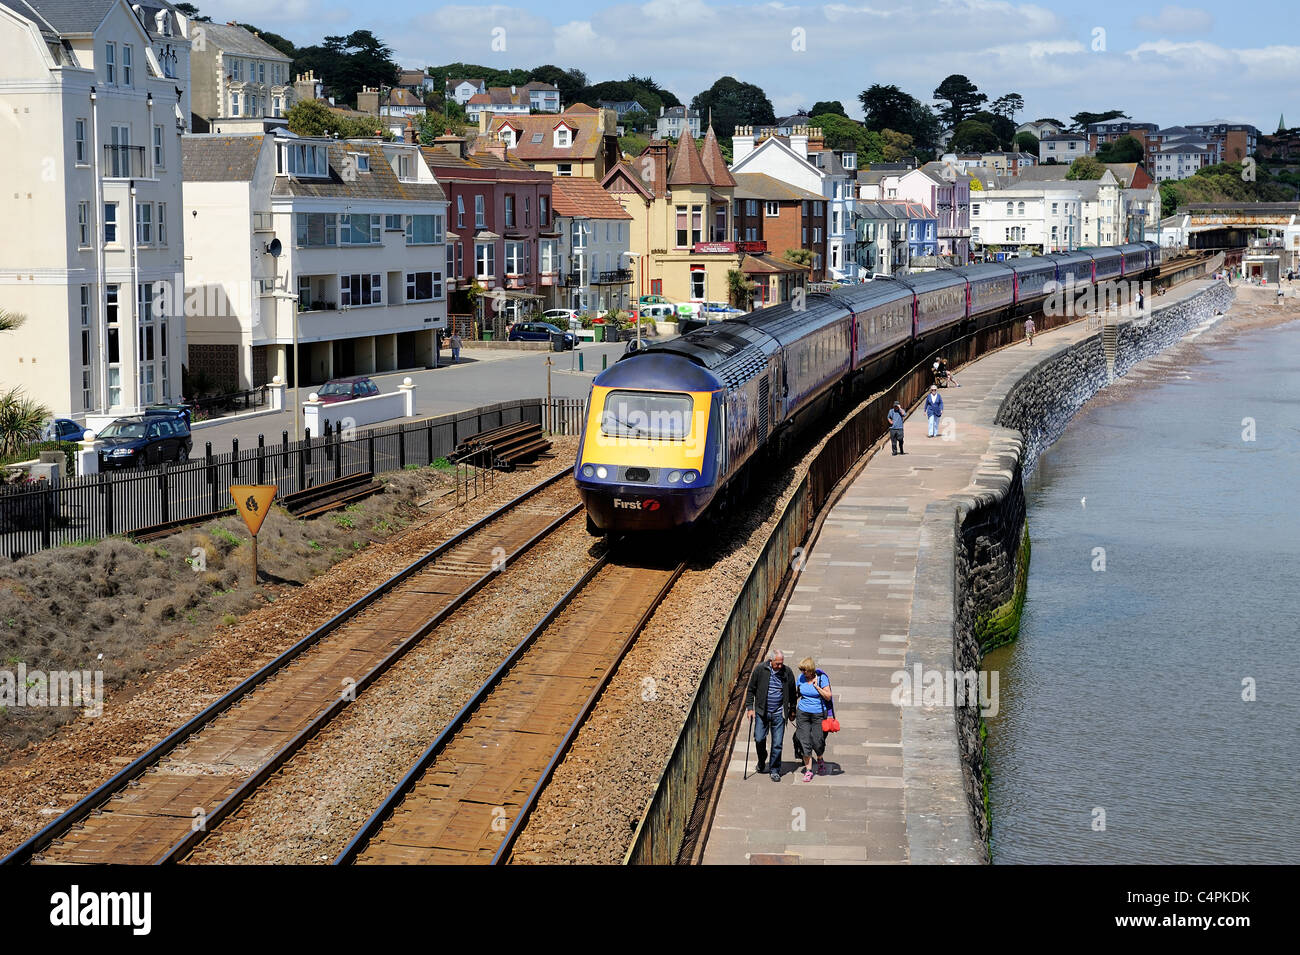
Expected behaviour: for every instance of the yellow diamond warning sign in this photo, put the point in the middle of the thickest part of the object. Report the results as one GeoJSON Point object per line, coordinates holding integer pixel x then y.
{"type": "Point", "coordinates": [253, 501]}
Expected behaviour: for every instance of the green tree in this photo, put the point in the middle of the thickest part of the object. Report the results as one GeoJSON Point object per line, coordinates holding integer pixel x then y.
{"type": "Point", "coordinates": [887, 107]}
{"type": "Point", "coordinates": [282, 44]}
{"type": "Point", "coordinates": [1081, 121]}
{"type": "Point", "coordinates": [733, 104]}
{"type": "Point", "coordinates": [1007, 105]}
{"type": "Point", "coordinates": [961, 96]}
{"type": "Point", "coordinates": [568, 82]}
{"type": "Point", "coordinates": [823, 107]}
{"type": "Point", "coordinates": [434, 124]}
{"type": "Point", "coordinates": [973, 136]}
{"type": "Point", "coordinates": [894, 145]}
{"type": "Point", "coordinates": [1124, 149]}
{"type": "Point", "coordinates": [799, 256]}
{"type": "Point", "coordinates": [1027, 142]}
{"type": "Point", "coordinates": [740, 290]}
{"type": "Point", "coordinates": [843, 133]}
{"type": "Point", "coordinates": [1085, 167]}
{"type": "Point", "coordinates": [347, 63]}
{"type": "Point", "coordinates": [636, 120]}
{"type": "Point", "coordinates": [309, 117]}
{"type": "Point", "coordinates": [191, 11]}
{"type": "Point", "coordinates": [1169, 200]}
{"type": "Point", "coordinates": [1003, 128]}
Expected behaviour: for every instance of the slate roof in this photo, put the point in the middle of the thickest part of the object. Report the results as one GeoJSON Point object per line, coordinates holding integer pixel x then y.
{"type": "Point", "coordinates": [402, 97]}
{"type": "Point", "coordinates": [216, 158]}
{"type": "Point", "coordinates": [380, 182]}
{"type": "Point", "coordinates": [439, 157]}
{"type": "Point", "coordinates": [411, 78]}
{"type": "Point", "coordinates": [687, 166]}
{"type": "Point", "coordinates": [573, 196]}
{"type": "Point", "coordinates": [240, 42]}
{"type": "Point", "coordinates": [1064, 136]}
{"type": "Point", "coordinates": [64, 16]}
{"type": "Point", "coordinates": [714, 165]}
{"type": "Point", "coordinates": [759, 185]}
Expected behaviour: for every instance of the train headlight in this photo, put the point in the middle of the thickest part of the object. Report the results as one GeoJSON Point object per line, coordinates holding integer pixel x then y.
{"type": "Point", "coordinates": [689, 477]}
{"type": "Point", "coordinates": [602, 473]}
{"type": "Point", "coordinates": [674, 477]}
{"type": "Point", "coordinates": [588, 470]}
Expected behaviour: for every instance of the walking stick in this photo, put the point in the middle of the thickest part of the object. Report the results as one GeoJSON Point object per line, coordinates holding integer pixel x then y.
{"type": "Point", "coordinates": [745, 773]}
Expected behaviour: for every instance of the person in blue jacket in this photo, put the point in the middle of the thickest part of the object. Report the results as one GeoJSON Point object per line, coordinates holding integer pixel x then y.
{"type": "Point", "coordinates": [813, 690]}
{"type": "Point", "coordinates": [934, 410]}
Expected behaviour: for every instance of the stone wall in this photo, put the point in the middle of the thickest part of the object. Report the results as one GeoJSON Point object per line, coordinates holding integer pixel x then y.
{"type": "Point", "coordinates": [990, 519]}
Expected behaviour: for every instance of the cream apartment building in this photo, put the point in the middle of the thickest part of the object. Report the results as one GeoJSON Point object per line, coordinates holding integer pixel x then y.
{"type": "Point", "coordinates": [237, 75]}
{"type": "Point", "coordinates": [92, 206]}
{"type": "Point", "coordinates": [334, 250]}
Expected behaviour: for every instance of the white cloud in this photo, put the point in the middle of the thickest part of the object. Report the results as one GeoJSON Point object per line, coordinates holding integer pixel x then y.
{"type": "Point", "coordinates": [1172, 19]}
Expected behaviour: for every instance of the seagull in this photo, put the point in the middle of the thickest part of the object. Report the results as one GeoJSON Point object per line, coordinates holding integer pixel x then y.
{"type": "Point", "coordinates": [1083, 501]}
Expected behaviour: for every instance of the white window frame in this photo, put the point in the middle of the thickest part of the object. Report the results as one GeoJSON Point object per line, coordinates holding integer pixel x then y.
{"type": "Point", "coordinates": [144, 223]}
{"type": "Point", "coordinates": [110, 223]}
{"type": "Point", "coordinates": [491, 248]}
{"type": "Point", "coordinates": [128, 64]}
{"type": "Point", "coordinates": [435, 286]}
{"type": "Point", "coordinates": [160, 224]}
{"type": "Point", "coordinates": [369, 285]}
{"type": "Point", "coordinates": [771, 209]}
{"type": "Point", "coordinates": [480, 212]}
{"type": "Point", "coordinates": [159, 150]}
{"type": "Point", "coordinates": [82, 158]}
{"type": "Point", "coordinates": [83, 225]}
{"type": "Point", "coordinates": [110, 64]}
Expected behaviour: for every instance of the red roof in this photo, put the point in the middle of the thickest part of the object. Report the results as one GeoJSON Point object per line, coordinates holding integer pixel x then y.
{"type": "Point", "coordinates": [714, 164]}
{"type": "Point", "coordinates": [572, 196]}
{"type": "Point", "coordinates": [688, 169]}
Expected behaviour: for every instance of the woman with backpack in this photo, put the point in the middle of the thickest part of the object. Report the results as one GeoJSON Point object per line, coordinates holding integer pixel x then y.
{"type": "Point", "coordinates": [813, 689]}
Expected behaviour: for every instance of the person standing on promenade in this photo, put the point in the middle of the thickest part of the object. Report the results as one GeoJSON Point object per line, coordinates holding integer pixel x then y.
{"type": "Point", "coordinates": [814, 690]}
{"type": "Point", "coordinates": [934, 410]}
{"type": "Point", "coordinates": [770, 697]}
{"type": "Point", "coordinates": [455, 348]}
{"type": "Point", "coordinates": [1029, 330]}
{"type": "Point", "coordinates": [896, 419]}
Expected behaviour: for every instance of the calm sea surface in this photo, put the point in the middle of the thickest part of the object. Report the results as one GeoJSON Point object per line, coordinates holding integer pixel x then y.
{"type": "Point", "coordinates": [1124, 693]}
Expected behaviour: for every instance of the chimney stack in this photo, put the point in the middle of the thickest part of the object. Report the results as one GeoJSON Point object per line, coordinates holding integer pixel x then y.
{"type": "Point", "coordinates": [368, 100]}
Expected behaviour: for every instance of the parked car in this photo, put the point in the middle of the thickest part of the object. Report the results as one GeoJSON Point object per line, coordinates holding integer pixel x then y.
{"type": "Point", "coordinates": [346, 389]}
{"type": "Point", "coordinates": [658, 313]}
{"type": "Point", "coordinates": [175, 411]}
{"type": "Point", "coordinates": [62, 429]}
{"type": "Point", "coordinates": [143, 440]}
{"type": "Point", "coordinates": [563, 317]}
{"type": "Point", "coordinates": [653, 300]}
{"type": "Point", "coordinates": [540, 332]}
{"type": "Point", "coordinates": [721, 308]}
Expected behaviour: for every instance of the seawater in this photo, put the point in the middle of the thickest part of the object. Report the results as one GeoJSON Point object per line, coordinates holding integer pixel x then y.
{"type": "Point", "coordinates": [1127, 732]}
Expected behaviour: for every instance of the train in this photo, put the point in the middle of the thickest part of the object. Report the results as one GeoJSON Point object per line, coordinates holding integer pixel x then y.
{"type": "Point", "coordinates": [672, 429]}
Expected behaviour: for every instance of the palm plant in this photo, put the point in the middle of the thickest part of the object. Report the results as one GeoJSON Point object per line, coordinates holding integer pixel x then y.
{"type": "Point", "coordinates": [21, 419]}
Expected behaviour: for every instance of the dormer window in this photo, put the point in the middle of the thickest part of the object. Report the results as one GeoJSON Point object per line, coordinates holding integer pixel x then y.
{"type": "Point", "coordinates": [563, 137]}
{"type": "Point", "coordinates": [305, 160]}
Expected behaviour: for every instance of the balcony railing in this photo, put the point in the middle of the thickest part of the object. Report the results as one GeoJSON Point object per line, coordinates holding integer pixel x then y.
{"type": "Point", "coordinates": [124, 162]}
{"type": "Point", "coordinates": [571, 279]}
{"type": "Point", "coordinates": [614, 277]}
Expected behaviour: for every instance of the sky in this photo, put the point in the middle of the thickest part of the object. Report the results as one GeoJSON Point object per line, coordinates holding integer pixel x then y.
{"type": "Point", "coordinates": [1166, 64]}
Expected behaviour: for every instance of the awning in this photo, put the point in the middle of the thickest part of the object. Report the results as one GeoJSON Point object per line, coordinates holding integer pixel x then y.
{"type": "Point", "coordinates": [486, 235]}
{"type": "Point", "coordinates": [515, 294]}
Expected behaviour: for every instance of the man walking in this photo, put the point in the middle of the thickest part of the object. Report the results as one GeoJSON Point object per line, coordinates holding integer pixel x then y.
{"type": "Point", "coordinates": [455, 348]}
{"type": "Point", "coordinates": [769, 701]}
{"type": "Point", "coordinates": [1029, 330]}
{"type": "Point", "coordinates": [934, 410]}
{"type": "Point", "coordinates": [896, 418]}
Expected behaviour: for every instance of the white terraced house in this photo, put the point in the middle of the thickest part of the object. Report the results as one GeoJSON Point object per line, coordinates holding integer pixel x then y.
{"type": "Point", "coordinates": [334, 247]}
{"type": "Point", "coordinates": [92, 204]}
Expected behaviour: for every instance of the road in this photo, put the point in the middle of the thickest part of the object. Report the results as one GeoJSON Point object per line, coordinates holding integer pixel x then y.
{"type": "Point", "coordinates": [483, 377]}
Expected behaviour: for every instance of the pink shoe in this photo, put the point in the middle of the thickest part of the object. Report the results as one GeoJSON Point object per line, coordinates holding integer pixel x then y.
{"type": "Point", "coordinates": [807, 775]}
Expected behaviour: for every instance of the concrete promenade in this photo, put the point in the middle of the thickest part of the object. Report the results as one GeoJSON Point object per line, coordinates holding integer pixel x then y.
{"type": "Point", "coordinates": [893, 792]}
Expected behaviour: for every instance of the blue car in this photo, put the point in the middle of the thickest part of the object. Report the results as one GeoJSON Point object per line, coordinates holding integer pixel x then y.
{"type": "Point", "coordinates": [540, 332]}
{"type": "Point", "coordinates": [63, 429]}
{"type": "Point", "coordinates": [144, 440]}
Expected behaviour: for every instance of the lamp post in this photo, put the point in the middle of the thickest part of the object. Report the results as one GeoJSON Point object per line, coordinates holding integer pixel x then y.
{"type": "Point", "coordinates": [634, 256]}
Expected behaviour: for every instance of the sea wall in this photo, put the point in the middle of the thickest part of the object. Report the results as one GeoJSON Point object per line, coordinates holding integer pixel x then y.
{"type": "Point", "coordinates": [972, 542]}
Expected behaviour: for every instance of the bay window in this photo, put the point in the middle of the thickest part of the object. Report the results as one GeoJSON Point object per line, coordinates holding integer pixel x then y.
{"type": "Point", "coordinates": [515, 258]}
{"type": "Point", "coordinates": [315, 229]}
{"type": "Point", "coordinates": [360, 229]}
{"type": "Point", "coordinates": [423, 230]}
{"type": "Point", "coordinates": [485, 259]}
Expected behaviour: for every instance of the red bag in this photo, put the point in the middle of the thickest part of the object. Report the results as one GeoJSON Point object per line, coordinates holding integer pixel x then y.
{"type": "Point", "coordinates": [830, 725]}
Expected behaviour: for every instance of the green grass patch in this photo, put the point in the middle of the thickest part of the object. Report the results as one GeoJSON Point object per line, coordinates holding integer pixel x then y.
{"type": "Point", "coordinates": [221, 534]}
{"type": "Point", "coordinates": [442, 464]}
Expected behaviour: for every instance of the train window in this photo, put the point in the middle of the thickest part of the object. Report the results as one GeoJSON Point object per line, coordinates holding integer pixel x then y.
{"type": "Point", "coordinates": [647, 414]}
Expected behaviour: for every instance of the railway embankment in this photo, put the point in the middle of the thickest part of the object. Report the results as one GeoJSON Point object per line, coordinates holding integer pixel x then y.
{"type": "Point", "coordinates": [974, 543]}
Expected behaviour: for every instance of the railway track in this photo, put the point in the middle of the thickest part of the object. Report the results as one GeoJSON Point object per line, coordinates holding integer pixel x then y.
{"type": "Point", "coordinates": [165, 802]}
{"type": "Point", "coordinates": [471, 792]}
